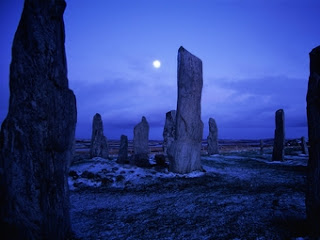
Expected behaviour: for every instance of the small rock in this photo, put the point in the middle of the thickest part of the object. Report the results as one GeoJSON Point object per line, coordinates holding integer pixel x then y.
{"type": "Point", "coordinates": [73, 174]}
{"type": "Point", "coordinates": [120, 178]}
{"type": "Point", "coordinates": [160, 160]}
{"type": "Point", "coordinates": [140, 160]}
{"type": "Point", "coordinates": [114, 169]}
{"type": "Point", "coordinates": [106, 181]}
{"type": "Point", "coordinates": [88, 175]}
{"type": "Point", "coordinates": [78, 184]}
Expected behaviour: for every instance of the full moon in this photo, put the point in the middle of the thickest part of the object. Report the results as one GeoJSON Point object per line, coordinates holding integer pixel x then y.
{"type": "Point", "coordinates": [156, 63]}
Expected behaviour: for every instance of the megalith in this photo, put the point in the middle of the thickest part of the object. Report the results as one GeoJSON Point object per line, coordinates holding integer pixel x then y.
{"type": "Point", "coordinates": [279, 137]}
{"type": "Point", "coordinates": [212, 139]}
{"type": "Point", "coordinates": [99, 143]}
{"type": "Point", "coordinates": [261, 146]}
{"type": "Point", "coordinates": [184, 152]}
{"type": "Point", "coordinates": [141, 144]}
{"type": "Point", "coordinates": [313, 168]}
{"type": "Point", "coordinates": [123, 150]}
{"type": "Point", "coordinates": [37, 135]}
{"type": "Point", "coordinates": [304, 146]}
{"type": "Point", "coordinates": [169, 130]}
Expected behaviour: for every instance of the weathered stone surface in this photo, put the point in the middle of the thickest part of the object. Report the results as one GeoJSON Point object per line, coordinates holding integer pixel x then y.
{"type": "Point", "coordinates": [213, 137]}
{"type": "Point", "coordinates": [304, 146]}
{"type": "Point", "coordinates": [123, 150]}
{"type": "Point", "coordinates": [141, 144]}
{"type": "Point", "coordinates": [279, 137]}
{"type": "Point", "coordinates": [99, 143]}
{"type": "Point", "coordinates": [313, 169]}
{"type": "Point", "coordinates": [36, 138]}
{"type": "Point", "coordinates": [141, 137]}
{"type": "Point", "coordinates": [184, 152]}
{"type": "Point", "coordinates": [169, 130]}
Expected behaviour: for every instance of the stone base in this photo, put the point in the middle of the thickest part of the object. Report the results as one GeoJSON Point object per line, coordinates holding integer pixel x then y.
{"type": "Point", "coordinates": [184, 156]}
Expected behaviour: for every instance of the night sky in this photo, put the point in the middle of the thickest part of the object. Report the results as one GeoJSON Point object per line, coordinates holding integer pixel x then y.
{"type": "Point", "coordinates": [255, 56]}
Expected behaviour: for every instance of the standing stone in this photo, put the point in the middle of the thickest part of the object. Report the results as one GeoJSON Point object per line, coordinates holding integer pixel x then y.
{"type": "Point", "coordinates": [304, 146]}
{"type": "Point", "coordinates": [279, 137]}
{"type": "Point", "coordinates": [213, 137]}
{"type": "Point", "coordinates": [37, 136]}
{"type": "Point", "coordinates": [123, 150]}
{"type": "Point", "coordinates": [313, 169]}
{"type": "Point", "coordinates": [141, 137]}
{"type": "Point", "coordinates": [99, 143]}
{"type": "Point", "coordinates": [141, 144]}
{"type": "Point", "coordinates": [169, 130]}
{"type": "Point", "coordinates": [261, 146]}
{"type": "Point", "coordinates": [184, 152]}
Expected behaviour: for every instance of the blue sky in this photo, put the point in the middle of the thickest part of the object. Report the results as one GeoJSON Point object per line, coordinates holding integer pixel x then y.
{"type": "Point", "coordinates": [254, 54]}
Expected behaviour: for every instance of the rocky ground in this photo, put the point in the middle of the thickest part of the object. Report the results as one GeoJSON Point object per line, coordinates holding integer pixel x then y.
{"type": "Point", "coordinates": [239, 195]}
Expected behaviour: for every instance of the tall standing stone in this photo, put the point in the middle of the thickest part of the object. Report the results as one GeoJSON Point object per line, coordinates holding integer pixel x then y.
{"type": "Point", "coordinates": [141, 144]}
{"type": "Point", "coordinates": [313, 169]}
{"type": "Point", "coordinates": [213, 137]}
{"type": "Point", "coordinates": [184, 152]}
{"type": "Point", "coordinates": [123, 150]}
{"type": "Point", "coordinates": [37, 135]}
{"type": "Point", "coordinates": [304, 146]}
{"type": "Point", "coordinates": [279, 137]}
{"type": "Point", "coordinates": [99, 143]}
{"type": "Point", "coordinates": [169, 130]}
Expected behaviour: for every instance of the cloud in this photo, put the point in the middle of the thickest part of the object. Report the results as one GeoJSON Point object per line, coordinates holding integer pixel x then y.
{"type": "Point", "coordinates": [123, 100]}
{"type": "Point", "coordinates": [236, 103]}
{"type": "Point", "coordinates": [251, 103]}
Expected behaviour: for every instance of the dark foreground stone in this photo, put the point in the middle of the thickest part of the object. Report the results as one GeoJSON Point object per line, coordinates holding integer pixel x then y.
{"type": "Point", "coordinates": [313, 114]}
{"type": "Point", "coordinates": [37, 135]}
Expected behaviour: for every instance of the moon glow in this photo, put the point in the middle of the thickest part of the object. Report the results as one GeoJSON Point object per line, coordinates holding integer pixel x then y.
{"type": "Point", "coordinates": [156, 64]}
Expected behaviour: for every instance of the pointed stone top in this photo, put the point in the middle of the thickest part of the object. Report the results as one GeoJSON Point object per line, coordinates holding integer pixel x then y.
{"type": "Point", "coordinates": [97, 115]}
{"type": "Point", "coordinates": [172, 112]}
{"type": "Point", "coordinates": [183, 53]}
{"type": "Point", "coordinates": [212, 124]}
{"type": "Point", "coordinates": [143, 119]}
{"type": "Point", "coordinates": [315, 60]}
{"type": "Point", "coordinates": [280, 110]}
{"type": "Point", "coordinates": [315, 51]}
{"type": "Point", "coordinates": [211, 120]}
{"type": "Point", "coordinates": [181, 49]}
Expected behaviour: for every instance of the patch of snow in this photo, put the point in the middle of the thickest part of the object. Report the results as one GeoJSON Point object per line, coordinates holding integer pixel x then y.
{"type": "Point", "coordinates": [111, 170]}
